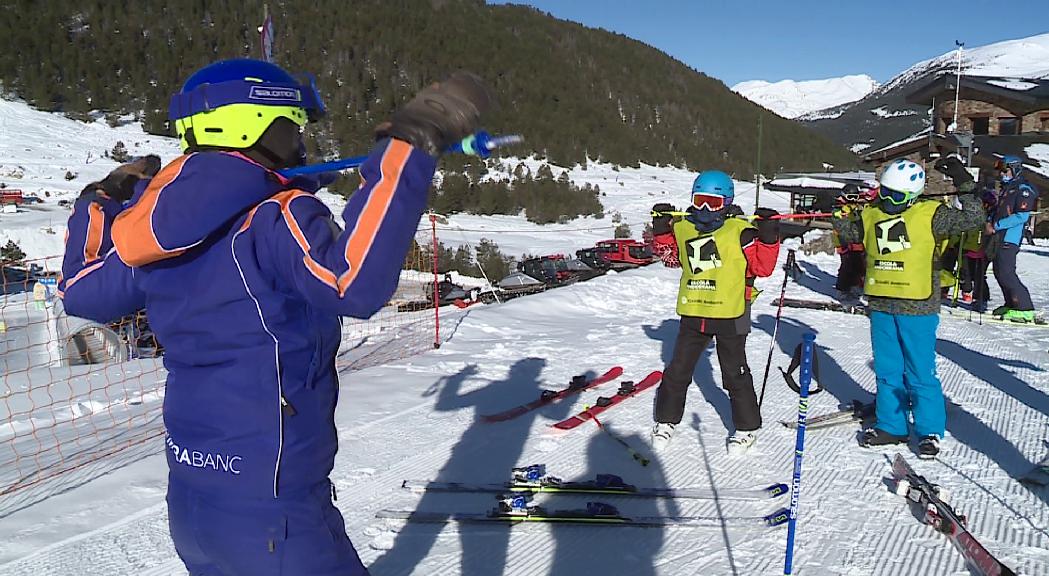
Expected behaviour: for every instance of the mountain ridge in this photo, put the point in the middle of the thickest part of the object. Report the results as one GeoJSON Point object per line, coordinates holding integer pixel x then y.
{"type": "Point", "coordinates": [884, 115]}
{"type": "Point", "coordinates": [793, 99]}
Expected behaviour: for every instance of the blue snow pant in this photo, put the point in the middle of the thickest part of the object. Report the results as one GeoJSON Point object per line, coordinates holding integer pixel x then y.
{"type": "Point", "coordinates": [293, 535]}
{"type": "Point", "coordinates": [905, 367]}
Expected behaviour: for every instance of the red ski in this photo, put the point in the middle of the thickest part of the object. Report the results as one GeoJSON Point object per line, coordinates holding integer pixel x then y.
{"type": "Point", "coordinates": [578, 384]}
{"type": "Point", "coordinates": [626, 390]}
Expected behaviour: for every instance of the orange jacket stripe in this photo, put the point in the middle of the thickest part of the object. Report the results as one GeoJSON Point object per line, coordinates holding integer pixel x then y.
{"type": "Point", "coordinates": [96, 220]}
{"type": "Point", "coordinates": [319, 271]}
{"type": "Point", "coordinates": [84, 272]}
{"type": "Point", "coordinates": [364, 232]}
{"type": "Point", "coordinates": [133, 234]}
{"type": "Point", "coordinates": [283, 199]}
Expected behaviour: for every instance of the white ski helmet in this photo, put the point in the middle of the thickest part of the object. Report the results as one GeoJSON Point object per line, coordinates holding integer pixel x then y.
{"type": "Point", "coordinates": [902, 181]}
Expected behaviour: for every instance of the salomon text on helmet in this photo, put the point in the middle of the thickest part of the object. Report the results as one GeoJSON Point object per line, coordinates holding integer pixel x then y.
{"type": "Point", "coordinates": [902, 181]}
{"type": "Point", "coordinates": [231, 103]}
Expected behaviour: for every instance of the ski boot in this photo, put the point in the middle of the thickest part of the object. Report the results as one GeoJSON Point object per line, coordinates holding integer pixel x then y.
{"type": "Point", "coordinates": [661, 435]}
{"type": "Point", "coordinates": [967, 297]}
{"type": "Point", "coordinates": [1000, 311]}
{"type": "Point", "coordinates": [874, 437]}
{"type": "Point", "coordinates": [1019, 316]}
{"type": "Point", "coordinates": [929, 447]}
{"type": "Point", "coordinates": [740, 442]}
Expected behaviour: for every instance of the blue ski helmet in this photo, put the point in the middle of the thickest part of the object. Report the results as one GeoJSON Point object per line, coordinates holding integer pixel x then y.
{"type": "Point", "coordinates": [716, 183]}
{"type": "Point", "coordinates": [1014, 163]}
{"type": "Point", "coordinates": [230, 103]}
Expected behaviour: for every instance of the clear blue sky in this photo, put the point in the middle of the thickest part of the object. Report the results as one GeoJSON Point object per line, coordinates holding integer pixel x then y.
{"type": "Point", "coordinates": [736, 40]}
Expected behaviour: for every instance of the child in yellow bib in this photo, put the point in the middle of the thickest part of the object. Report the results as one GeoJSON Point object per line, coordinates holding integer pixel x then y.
{"type": "Point", "coordinates": [903, 236]}
{"type": "Point", "coordinates": [719, 257]}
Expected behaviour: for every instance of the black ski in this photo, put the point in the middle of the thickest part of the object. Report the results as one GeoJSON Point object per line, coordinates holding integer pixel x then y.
{"type": "Point", "coordinates": [605, 485]}
{"type": "Point", "coordinates": [516, 509]}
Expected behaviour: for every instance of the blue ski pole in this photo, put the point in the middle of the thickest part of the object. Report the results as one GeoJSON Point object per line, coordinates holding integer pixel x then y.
{"type": "Point", "coordinates": [478, 144]}
{"type": "Point", "coordinates": [807, 349]}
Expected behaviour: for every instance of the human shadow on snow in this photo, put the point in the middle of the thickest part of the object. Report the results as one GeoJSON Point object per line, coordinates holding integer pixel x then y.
{"type": "Point", "coordinates": [990, 370]}
{"type": "Point", "coordinates": [832, 377]}
{"type": "Point", "coordinates": [815, 279]}
{"type": "Point", "coordinates": [666, 334]}
{"type": "Point", "coordinates": [613, 550]}
{"type": "Point", "coordinates": [486, 452]}
{"type": "Point", "coordinates": [962, 425]}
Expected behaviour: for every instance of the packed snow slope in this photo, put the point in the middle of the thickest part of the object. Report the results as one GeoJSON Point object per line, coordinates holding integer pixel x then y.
{"type": "Point", "coordinates": [883, 116]}
{"type": "Point", "coordinates": [791, 99]}
{"type": "Point", "coordinates": [418, 419]}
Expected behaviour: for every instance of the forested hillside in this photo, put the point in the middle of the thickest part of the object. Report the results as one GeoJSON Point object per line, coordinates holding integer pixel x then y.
{"type": "Point", "coordinates": [573, 92]}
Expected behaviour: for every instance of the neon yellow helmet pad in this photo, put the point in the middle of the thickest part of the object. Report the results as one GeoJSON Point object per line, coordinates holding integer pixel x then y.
{"type": "Point", "coordinates": [237, 126]}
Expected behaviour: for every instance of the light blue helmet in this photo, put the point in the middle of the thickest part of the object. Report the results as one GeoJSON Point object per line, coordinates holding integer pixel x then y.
{"type": "Point", "coordinates": [714, 182]}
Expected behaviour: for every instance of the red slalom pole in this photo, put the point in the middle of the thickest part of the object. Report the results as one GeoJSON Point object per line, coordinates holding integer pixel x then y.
{"type": "Point", "coordinates": [436, 294]}
{"type": "Point", "coordinates": [801, 215]}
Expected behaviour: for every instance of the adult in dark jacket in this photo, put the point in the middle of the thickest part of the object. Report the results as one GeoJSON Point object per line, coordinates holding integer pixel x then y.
{"type": "Point", "coordinates": [1016, 200]}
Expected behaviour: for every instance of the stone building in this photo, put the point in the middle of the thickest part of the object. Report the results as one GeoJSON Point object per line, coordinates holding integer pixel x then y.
{"type": "Point", "coordinates": [996, 116]}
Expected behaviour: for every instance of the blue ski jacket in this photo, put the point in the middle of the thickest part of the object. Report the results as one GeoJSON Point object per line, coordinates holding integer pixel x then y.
{"type": "Point", "coordinates": [1014, 209]}
{"type": "Point", "coordinates": [243, 275]}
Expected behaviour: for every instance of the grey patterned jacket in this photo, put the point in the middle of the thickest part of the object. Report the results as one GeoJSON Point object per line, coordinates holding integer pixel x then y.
{"type": "Point", "coordinates": [946, 222]}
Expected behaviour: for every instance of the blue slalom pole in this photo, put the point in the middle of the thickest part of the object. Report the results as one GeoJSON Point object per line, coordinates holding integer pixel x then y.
{"type": "Point", "coordinates": [479, 144]}
{"type": "Point", "coordinates": [808, 346]}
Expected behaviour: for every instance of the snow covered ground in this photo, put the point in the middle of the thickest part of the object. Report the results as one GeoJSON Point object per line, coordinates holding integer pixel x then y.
{"type": "Point", "coordinates": [417, 419]}
{"type": "Point", "coordinates": [792, 99]}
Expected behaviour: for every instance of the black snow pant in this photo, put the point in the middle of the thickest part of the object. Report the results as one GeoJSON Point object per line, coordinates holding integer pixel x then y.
{"type": "Point", "coordinates": [851, 271]}
{"type": "Point", "coordinates": [974, 279]}
{"type": "Point", "coordinates": [1016, 295]}
{"type": "Point", "coordinates": [735, 375]}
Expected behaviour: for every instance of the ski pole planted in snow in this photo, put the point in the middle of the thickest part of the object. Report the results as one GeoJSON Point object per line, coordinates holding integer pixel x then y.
{"type": "Point", "coordinates": [807, 349]}
{"type": "Point", "coordinates": [775, 328]}
{"type": "Point", "coordinates": [480, 144]}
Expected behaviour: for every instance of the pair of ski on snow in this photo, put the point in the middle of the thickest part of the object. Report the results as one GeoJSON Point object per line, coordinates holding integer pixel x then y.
{"type": "Point", "coordinates": [515, 505]}
{"type": "Point", "coordinates": [950, 313]}
{"type": "Point", "coordinates": [627, 389]}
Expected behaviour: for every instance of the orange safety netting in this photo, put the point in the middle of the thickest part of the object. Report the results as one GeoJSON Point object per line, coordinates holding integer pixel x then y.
{"type": "Point", "coordinates": [79, 399]}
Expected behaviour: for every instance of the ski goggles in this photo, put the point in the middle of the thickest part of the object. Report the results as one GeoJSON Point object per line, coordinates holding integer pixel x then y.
{"type": "Point", "coordinates": [207, 97]}
{"type": "Point", "coordinates": [894, 196]}
{"type": "Point", "coordinates": [711, 202]}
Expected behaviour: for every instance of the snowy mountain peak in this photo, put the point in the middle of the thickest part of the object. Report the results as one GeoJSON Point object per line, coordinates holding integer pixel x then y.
{"type": "Point", "coordinates": [1021, 58]}
{"type": "Point", "coordinates": [791, 99]}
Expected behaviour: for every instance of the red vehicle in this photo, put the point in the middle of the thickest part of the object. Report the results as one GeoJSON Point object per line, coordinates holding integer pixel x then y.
{"type": "Point", "coordinates": [9, 196]}
{"type": "Point", "coordinates": [626, 253]}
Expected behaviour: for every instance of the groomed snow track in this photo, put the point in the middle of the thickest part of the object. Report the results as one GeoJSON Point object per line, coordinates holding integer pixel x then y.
{"type": "Point", "coordinates": [417, 419]}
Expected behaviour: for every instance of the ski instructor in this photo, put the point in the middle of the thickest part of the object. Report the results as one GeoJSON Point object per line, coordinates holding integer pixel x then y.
{"type": "Point", "coordinates": [244, 275]}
